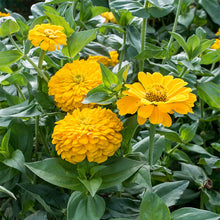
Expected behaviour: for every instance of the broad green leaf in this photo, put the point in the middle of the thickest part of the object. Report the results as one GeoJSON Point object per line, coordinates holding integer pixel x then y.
{"type": "Point", "coordinates": [135, 7]}
{"type": "Point", "coordinates": [195, 148]}
{"type": "Point", "coordinates": [211, 57]}
{"type": "Point", "coordinates": [210, 93]}
{"type": "Point", "coordinates": [160, 12]}
{"type": "Point", "coordinates": [4, 149]}
{"type": "Point", "coordinates": [201, 33]}
{"type": "Point", "coordinates": [9, 57]}
{"type": "Point", "coordinates": [110, 80]}
{"type": "Point", "coordinates": [82, 206]}
{"type": "Point", "coordinates": [122, 73]}
{"type": "Point", "coordinates": [100, 95]}
{"type": "Point", "coordinates": [169, 134]}
{"type": "Point", "coordinates": [181, 156]}
{"type": "Point", "coordinates": [171, 192]}
{"type": "Point", "coordinates": [85, 10]}
{"type": "Point", "coordinates": [153, 208]}
{"type": "Point", "coordinates": [21, 137]}
{"type": "Point", "coordinates": [6, 173]}
{"type": "Point", "coordinates": [58, 20]}
{"type": "Point", "coordinates": [130, 126]}
{"type": "Point", "coordinates": [8, 27]}
{"type": "Point", "coordinates": [16, 161]}
{"type": "Point", "coordinates": [3, 189]}
{"type": "Point", "coordinates": [216, 146]}
{"type": "Point", "coordinates": [112, 26]}
{"type": "Point", "coordinates": [57, 172]}
{"type": "Point", "coordinates": [77, 41]}
{"type": "Point", "coordinates": [212, 7]}
{"type": "Point", "coordinates": [187, 132]}
{"type": "Point", "coordinates": [195, 214]}
{"type": "Point", "coordinates": [6, 69]}
{"type": "Point", "coordinates": [16, 78]}
{"type": "Point", "coordinates": [161, 3]}
{"type": "Point", "coordinates": [24, 109]}
{"type": "Point", "coordinates": [92, 185]}
{"type": "Point", "coordinates": [181, 41]}
{"type": "Point", "coordinates": [133, 36]}
{"type": "Point", "coordinates": [193, 43]}
{"type": "Point", "coordinates": [117, 171]}
{"type": "Point", "coordinates": [37, 215]}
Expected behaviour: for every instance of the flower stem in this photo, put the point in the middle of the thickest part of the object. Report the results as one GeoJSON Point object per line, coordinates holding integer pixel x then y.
{"type": "Point", "coordinates": [143, 33]}
{"type": "Point", "coordinates": [41, 74]}
{"type": "Point", "coordinates": [201, 200]}
{"type": "Point", "coordinates": [20, 92]}
{"type": "Point", "coordinates": [212, 67]}
{"type": "Point", "coordinates": [40, 65]}
{"type": "Point", "coordinates": [122, 54]}
{"type": "Point", "coordinates": [174, 28]}
{"type": "Point", "coordinates": [152, 132]}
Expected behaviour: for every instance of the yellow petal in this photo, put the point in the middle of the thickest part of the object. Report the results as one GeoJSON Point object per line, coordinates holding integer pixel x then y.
{"type": "Point", "coordinates": [167, 121]}
{"type": "Point", "coordinates": [135, 89]}
{"type": "Point", "coordinates": [157, 78]}
{"type": "Point", "coordinates": [128, 104]}
{"type": "Point", "coordinates": [145, 111]}
{"type": "Point", "coordinates": [141, 120]}
{"type": "Point", "coordinates": [145, 79]}
{"type": "Point", "coordinates": [156, 117]}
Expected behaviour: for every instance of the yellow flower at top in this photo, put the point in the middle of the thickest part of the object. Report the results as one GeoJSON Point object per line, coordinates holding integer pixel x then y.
{"type": "Point", "coordinates": [155, 98]}
{"type": "Point", "coordinates": [92, 133]}
{"type": "Point", "coordinates": [109, 17]}
{"type": "Point", "coordinates": [216, 45]}
{"type": "Point", "coordinates": [47, 36]}
{"type": "Point", "coordinates": [4, 14]}
{"type": "Point", "coordinates": [71, 83]}
{"type": "Point", "coordinates": [112, 61]}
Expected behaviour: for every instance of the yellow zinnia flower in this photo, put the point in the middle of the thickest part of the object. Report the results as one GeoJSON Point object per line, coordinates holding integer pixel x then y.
{"type": "Point", "coordinates": [47, 36]}
{"type": "Point", "coordinates": [92, 133]}
{"type": "Point", "coordinates": [155, 98]}
{"type": "Point", "coordinates": [112, 61]}
{"type": "Point", "coordinates": [4, 14]}
{"type": "Point", "coordinates": [216, 45]}
{"type": "Point", "coordinates": [70, 84]}
{"type": "Point", "coordinates": [109, 17]}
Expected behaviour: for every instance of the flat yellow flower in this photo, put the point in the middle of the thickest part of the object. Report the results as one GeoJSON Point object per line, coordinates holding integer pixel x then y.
{"type": "Point", "coordinates": [71, 83]}
{"type": "Point", "coordinates": [155, 98]}
{"type": "Point", "coordinates": [218, 32]}
{"type": "Point", "coordinates": [109, 17]}
{"type": "Point", "coordinates": [47, 36]}
{"type": "Point", "coordinates": [4, 14]}
{"type": "Point", "coordinates": [112, 61]}
{"type": "Point", "coordinates": [92, 133]}
{"type": "Point", "coordinates": [216, 45]}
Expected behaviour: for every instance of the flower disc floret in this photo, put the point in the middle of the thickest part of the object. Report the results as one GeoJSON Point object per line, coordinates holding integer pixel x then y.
{"type": "Point", "coordinates": [71, 83]}
{"type": "Point", "coordinates": [47, 36]}
{"type": "Point", "coordinates": [112, 61]}
{"type": "Point", "coordinates": [155, 97]}
{"type": "Point", "coordinates": [92, 133]}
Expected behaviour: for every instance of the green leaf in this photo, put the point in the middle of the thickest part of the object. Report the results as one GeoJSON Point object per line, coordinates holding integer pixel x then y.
{"type": "Point", "coordinates": [118, 171]}
{"type": "Point", "coordinates": [4, 149]}
{"type": "Point", "coordinates": [16, 78]}
{"type": "Point", "coordinates": [130, 126]}
{"type": "Point", "coordinates": [57, 172]}
{"type": "Point", "coordinates": [122, 73]}
{"type": "Point", "coordinates": [58, 20]}
{"type": "Point", "coordinates": [161, 3]}
{"type": "Point", "coordinates": [187, 132]}
{"type": "Point", "coordinates": [3, 189]}
{"type": "Point", "coordinates": [37, 215]}
{"type": "Point", "coordinates": [211, 57]}
{"type": "Point", "coordinates": [153, 208]}
{"type": "Point", "coordinates": [24, 109]}
{"type": "Point", "coordinates": [92, 185]}
{"type": "Point", "coordinates": [181, 41]}
{"type": "Point", "coordinates": [212, 7]}
{"type": "Point", "coordinates": [110, 80]}
{"type": "Point", "coordinates": [112, 26]}
{"type": "Point", "coordinates": [85, 10]}
{"type": "Point", "coordinates": [16, 161]}
{"type": "Point", "coordinates": [195, 148]}
{"type": "Point", "coordinates": [82, 206]}
{"type": "Point", "coordinates": [193, 43]}
{"type": "Point", "coordinates": [171, 192]}
{"type": "Point", "coordinates": [77, 41]}
{"type": "Point", "coordinates": [216, 146]}
{"type": "Point", "coordinates": [135, 7]}
{"type": "Point", "coordinates": [193, 213]}
{"type": "Point", "coordinates": [210, 93]}
{"type": "Point", "coordinates": [21, 137]}
{"type": "Point", "coordinates": [100, 95]}
{"type": "Point", "coordinates": [9, 57]}
{"type": "Point", "coordinates": [169, 134]}
{"type": "Point", "coordinates": [8, 27]}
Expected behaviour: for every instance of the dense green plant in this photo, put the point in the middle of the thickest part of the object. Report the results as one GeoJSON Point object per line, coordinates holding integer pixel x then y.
{"type": "Point", "coordinates": [182, 180]}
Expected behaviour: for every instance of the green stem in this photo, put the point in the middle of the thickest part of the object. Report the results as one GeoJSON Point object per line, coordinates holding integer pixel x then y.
{"type": "Point", "coordinates": [174, 28]}
{"type": "Point", "coordinates": [143, 34]}
{"type": "Point", "coordinates": [201, 200]}
{"type": "Point", "coordinates": [183, 72]}
{"type": "Point", "coordinates": [37, 120]}
{"type": "Point", "coordinates": [44, 141]}
{"type": "Point", "coordinates": [170, 152]}
{"type": "Point", "coordinates": [20, 92]}
{"type": "Point", "coordinates": [40, 65]}
{"type": "Point", "coordinates": [212, 67]}
{"type": "Point", "coordinates": [152, 132]}
{"type": "Point", "coordinates": [122, 54]}
{"type": "Point", "coordinates": [41, 74]}
{"type": "Point", "coordinates": [202, 108]}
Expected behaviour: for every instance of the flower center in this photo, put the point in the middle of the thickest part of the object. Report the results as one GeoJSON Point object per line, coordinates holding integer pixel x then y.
{"type": "Point", "coordinates": [78, 78]}
{"type": "Point", "coordinates": [156, 93]}
{"type": "Point", "coordinates": [49, 33]}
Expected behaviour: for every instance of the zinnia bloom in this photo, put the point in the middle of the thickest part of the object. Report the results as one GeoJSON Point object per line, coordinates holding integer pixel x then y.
{"type": "Point", "coordinates": [109, 17]}
{"type": "Point", "coordinates": [47, 36]}
{"type": "Point", "coordinates": [155, 98]}
{"type": "Point", "coordinates": [92, 133]}
{"type": "Point", "coordinates": [112, 61]}
{"type": "Point", "coordinates": [71, 83]}
{"type": "Point", "coordinates": [4, 14]}
{"type": "Point", "coordinates": [216, 45]}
